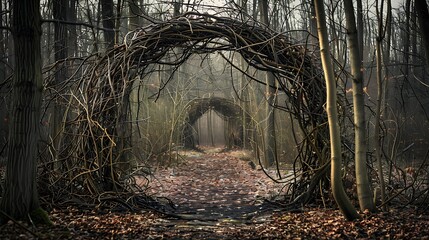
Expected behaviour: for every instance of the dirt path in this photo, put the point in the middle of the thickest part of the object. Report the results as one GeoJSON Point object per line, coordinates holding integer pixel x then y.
{"type": "Point", "coordinates": [214, 192]}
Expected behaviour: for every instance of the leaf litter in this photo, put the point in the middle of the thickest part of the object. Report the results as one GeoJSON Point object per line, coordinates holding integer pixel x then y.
{"type": "Point", "coordinates": [218, 195]}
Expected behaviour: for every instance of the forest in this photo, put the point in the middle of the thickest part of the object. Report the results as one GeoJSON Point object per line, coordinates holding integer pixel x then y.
{"type": "Point", "coordinates": [214, 119]}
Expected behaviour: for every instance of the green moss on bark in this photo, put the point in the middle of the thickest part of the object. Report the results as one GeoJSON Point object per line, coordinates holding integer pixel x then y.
{"type": "Point", "coordinates": [40, 216]}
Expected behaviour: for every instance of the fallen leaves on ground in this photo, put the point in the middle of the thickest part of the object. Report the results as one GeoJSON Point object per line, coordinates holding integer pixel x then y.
{"type": "Point", "coordinates": [311, 223]}
{"type": "Point", "coordinates": [219, 197]}
{"type": "Point", "coordinates": [216, 183]}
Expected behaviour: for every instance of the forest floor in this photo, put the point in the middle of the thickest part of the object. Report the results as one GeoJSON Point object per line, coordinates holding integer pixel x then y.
{"type": "Point", "coordinates": [218, 195]}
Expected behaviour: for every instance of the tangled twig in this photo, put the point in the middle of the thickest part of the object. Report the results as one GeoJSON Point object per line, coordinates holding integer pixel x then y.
{"type": "Point", "coordinates": [96, 135]}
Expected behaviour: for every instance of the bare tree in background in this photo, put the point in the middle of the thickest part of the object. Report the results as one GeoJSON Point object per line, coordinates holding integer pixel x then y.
{"type": "Point", "coordinates": [108, 22]}
{"type": "Point", "coordinates": [270, 134]}
{"type": "Point", "coordinates": [423, 17]}
{"type": "Point", "coordinates": [378, 111]}
{"type": "Point", "coordinates": [59, 11]}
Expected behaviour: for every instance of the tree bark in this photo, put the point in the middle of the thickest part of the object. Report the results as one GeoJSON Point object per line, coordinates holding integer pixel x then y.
{"type": "Point", "coordinates": [134, 10]}
{"type": "Point", "coordinates": [407, 38]}
{"type": "Point", "coordinates": [72, 36]}
{"type": "Point", "coordinates": [423, 17]}
{"type": "Point", "coordinates": [177, 5]}
{"type": "Point", "coordinates": [108, 22]}
{"type": "Point", "coordinates": [363, 185]}
{"type": "Point", "coordinates": [21, 198]}
{"type": "Point", "coordinates": [340, 196]}
{"type": "Point", "coordinates": [378, 111]}
{"type": "Point", "coordinates": [243, 86]}
{"type": "Point", "coordinates": [59, 11]}
{"type": "Point", "coordinates": [359, 25]}
{"type": "Point", "coordinates": [2, 50]}
{"type": "Point", "coordinates": [270, 142]}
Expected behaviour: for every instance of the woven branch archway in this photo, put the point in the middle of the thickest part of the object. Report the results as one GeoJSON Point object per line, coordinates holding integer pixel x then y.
{"type": "Point", "coordinates": [231, 112]}
{"type": "Point", "coordinates": [100, 125]}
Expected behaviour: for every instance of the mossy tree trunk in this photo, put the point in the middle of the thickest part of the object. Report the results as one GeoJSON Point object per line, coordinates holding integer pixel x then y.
{"type": "Point", "coordinates": [340, 196]}
{"type": "Point", "coordinates": [21, 198]}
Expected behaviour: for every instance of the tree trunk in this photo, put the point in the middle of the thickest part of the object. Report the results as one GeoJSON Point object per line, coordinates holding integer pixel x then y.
{"type": "Point", "coordinates": [243, 87]}
{"type": "Point", "coordinates": [378, 111]}
{"type": "Point", "coordinates": [331, 107]}
{"type": "Point", "coordinates": [254, 9]}
{"type": "Point", "coordinates": [313, 27]}
{"type": "Point", "coordinates": [177, 5]}
{"type": "Point", "coordinates": [360, 32]}
{"type": "Point", "coordinates": [20, 197]}
{"type": "Point", "coordinates": [72, 36]}
{"type": "Point", "coordinates": [2, 50]}
{"type": "Point", "coordinates": [60, 46]}
{"type": "Point", "coordinates": [108, 22]}
{"type": "Point", "coordinates": [270, 142]}
{"type": "Point", "coordinates": [407, 37]}
{"type": "Point", "coordinates": [386, 58]}
{"type": "Point", "coordinates": [134, 12]}
{"type": "Point", "coordinates": [135, 101]}
{"type": "Point", "coordinates": [363, 185]}
{"type": "Point", "coordinates": [119, 7]}
{"type": "Point", "coordinates": [423, 17]}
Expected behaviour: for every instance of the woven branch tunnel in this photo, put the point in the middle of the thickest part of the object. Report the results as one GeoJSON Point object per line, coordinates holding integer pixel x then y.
{"type": "Point", "coordinates": [99, 91]}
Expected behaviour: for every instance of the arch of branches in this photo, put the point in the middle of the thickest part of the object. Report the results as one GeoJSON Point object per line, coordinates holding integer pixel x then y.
{"type": "Point", "coordinates": [231, 113]}
{"type": "Point", "coordinates": [95, 139]}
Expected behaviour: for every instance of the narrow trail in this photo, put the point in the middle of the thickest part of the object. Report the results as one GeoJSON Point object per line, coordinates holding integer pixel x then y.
{"type": "Point", "coordinates": [214, 192]}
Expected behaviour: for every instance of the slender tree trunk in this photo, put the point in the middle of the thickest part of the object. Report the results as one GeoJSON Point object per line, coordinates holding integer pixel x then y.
{"type": "Point", "coordinates": [386, 59]}
{"type": "Point", "coordinates": [243, 87]}
{"type": "Point", "coordinates": [118, 20]}
{"type": "Point", "coordinates": [108, 22]}
{"type": "Point", "coordinates": [3, 109]}
{"type": "Point", "coordinates": [313, 26]}
{"type": "Point", "coordinates": [135, 94]}
{"type": "Point", "coordinates": [413, 42]}
{"type": "Point", "coordinates": [378, 112]}
{"type": "Point", "coordinates": [407, 36]}
{"type": "Point", "coordinates": [60, 47]}
{"type": "Point", "coordinates": [94, 32]}
{"type": "Point", "coordinates": [334, 33]}
{"type": "Point", "coordinates": [9, 44]}
{"type": "Point", "coordinates": [270, 153]}
{"type": "Point", "coordinates": [176, 10]}
{"type": "Point", "coordinates": [72, 36]}
{"type": "Point", "coordinates": [244, 96]}
{"type": "Point", "coordinates": [20, 198]}
{"type": "Point", "coordinates": [363, 185]}
{"type": "Point", "coordinates": [423, 18]}
{"type": "Point", "coordinates": [331, 107]}
{"type": "Point", "coordinates": [210, 127]}
{"type": "Point", "coordinates": [254, 8]}
{"type": "Point", "coordinates": [2, 49]}
{"type": "Point", "coordinates": [359, 26]}
{"type": "Point", "coordinates": [134, 12]}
